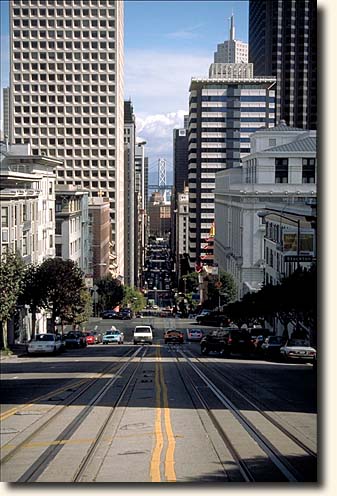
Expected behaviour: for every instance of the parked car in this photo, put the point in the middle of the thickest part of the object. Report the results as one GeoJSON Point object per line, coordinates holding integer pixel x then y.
{"type": "Point", "coordinates": [271, 346]}
{"type": "Point", "coordinates": [113, 337]}
{"type": "Point", "coordinates": [173, 336]}
{"type": "Point", "coordinates": [98, 336]}
{"type": "Point", "coordinates": [75, 339]}
{"type": "Point", "coordinates": [90, 338]}
{"type": "Point", "coordinates": [194, 334]}
{"type": "Point", "coordinates": [109, 314]}
{"type": "Point", "coordinates": [45, 343]}
{"type": "Point", "coordinates": [143, 334]}
{"type": "Point", "coordinates": [298, 349]}
{"type": "Point", "coordinates": [125, 314]}
{"type": "Point", "coordinates": [227, 341]}
{"type": "Point", "coordinates": [215, 319]}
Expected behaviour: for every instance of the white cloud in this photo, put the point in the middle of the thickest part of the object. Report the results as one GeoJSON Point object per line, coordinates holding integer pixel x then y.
{"type": "Point", "coordinates": [157, 130]}
{"type": "Point", "coordinates": [158, 85]}
{"type": "Point", "coordinates": [186, 33]}
{"type": "Point", "coordinates": [158, 82]}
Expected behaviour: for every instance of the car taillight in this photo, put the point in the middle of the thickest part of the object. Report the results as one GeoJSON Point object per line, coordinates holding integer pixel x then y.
{"type": "Point", "coordinates": [230, 340]}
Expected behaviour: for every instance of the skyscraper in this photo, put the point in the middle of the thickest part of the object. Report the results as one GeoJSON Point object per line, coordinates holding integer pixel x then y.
{"type": "Point", "coordinates": [223, 114]}
{"type": "Point", "coordinates": [67, 95]}
{"type": "Point", "coordinates": [231, 51]}
{"type": "Point", "coordinates": [283, 43]}
{"type": "Point", "coordinates": [129, 193]}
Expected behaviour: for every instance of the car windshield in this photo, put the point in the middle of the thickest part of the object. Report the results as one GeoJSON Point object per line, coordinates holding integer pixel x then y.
{"type": "Point", "coordinates": [71, 335]}
{"type": "Point", "coordinates": [298, 342]}
{"type": "Point", "coordinates": [142, 329]}
{"type": "Point", "coordinates": [44, 337]}
{"type": "Point", "coordinates": [114, 333]}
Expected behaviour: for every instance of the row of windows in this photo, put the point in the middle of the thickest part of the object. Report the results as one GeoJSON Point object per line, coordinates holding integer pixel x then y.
{"type": "Point", "coordinates": [62, 3]}
{"type": "Point", "coordinates": [66, 120]}
{"type": "Point", "coordinates": [62, 132]}
{"type": "Point", "coordinates": [78, 45]}
{"type": "Point", "coordinates": [68, 110]}
{"type": "Point", "coordinates": [233, 109]}
{"type": "Point", "coordinates": [60, 12]}
{"type": "Point", "coordinates": [226, 98]}
{"type": "Point", "coordinates": [68, 67]}
{"type": "Point", "coordinates": [52, 99]}
{"type": "Point", "coordinates": [84, 78]}
{"type": "Point", "coordinates": [59, 66]}
{"type": "Point", "coordinates": [33, 35]}
{"type": "Point", "coordinates": [221, 139]}
{"type": "Point", "coordinates": [60, 23]}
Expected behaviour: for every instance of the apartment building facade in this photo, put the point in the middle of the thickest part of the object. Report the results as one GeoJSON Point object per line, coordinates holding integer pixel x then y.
{"type": "Point", "coordinates": [27, 198]}
{"type": "Point", "coordinates": [66, 79]}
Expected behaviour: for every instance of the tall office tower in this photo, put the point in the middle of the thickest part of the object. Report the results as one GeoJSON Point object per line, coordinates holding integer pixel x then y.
{"type": "Point", "coordinates": [231, 51]}
{"type": "Point", "coordinates": [283, 43]}
{"type": "Point", "coordinates": [5, 101]}
{"type": "Point", "coordinates": [141, 215]}
{"type": "Point", "coordinates": [129, 193]}
{"type": "Point", "coordinates": [222, 115]}
{"type": "Point", "coordinates": [67, 95]}
{"type": "Point", "coordinates": [180, 181]}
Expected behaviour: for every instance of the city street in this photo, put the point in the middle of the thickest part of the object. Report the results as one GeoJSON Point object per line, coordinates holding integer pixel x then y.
{"type": "Point", "coordinates": [160, 413]}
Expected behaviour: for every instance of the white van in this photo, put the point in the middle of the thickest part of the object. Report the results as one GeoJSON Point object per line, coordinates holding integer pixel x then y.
{"type": "Point", "coordinates": [142, 334]}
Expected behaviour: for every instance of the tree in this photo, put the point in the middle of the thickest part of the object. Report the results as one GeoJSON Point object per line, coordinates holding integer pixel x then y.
{"type": "Point", "coordinates": [63, 283]}
{"type": "Point", "coordinates": [11, 274]}
{"type": "Point", "coordinates": [227, 290]}
{"type": "Point", "coordinates": [110, 291]}
{"type": "Point", "coordinates": [133, 298]}
{"type": "Point", "coordinates": [33, 292]}
{"type": "Point", "coordinates": [83, 311]}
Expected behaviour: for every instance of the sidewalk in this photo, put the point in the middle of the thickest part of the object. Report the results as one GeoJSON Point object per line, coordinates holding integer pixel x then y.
{"type": "Point", "coordinates": [17, 351]}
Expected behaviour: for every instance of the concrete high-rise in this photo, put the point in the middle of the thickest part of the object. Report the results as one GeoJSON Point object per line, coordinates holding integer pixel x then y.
{"type": "Point", "coordinates": [222, 115]}
{"type": "Point", "coordinates": [283, 43]}
{"type": "Point", "coordinates": [231, 51]}
{"type": "Point", "coordinates": [5, 100]}
{"type": "Point", "coordinates": [67, 95]}
{"type": "Point", "coordinates": [129, 193]}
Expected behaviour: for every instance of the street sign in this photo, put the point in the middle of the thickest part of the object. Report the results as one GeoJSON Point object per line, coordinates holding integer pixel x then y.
{"type": "Point", "coordinates": [298, 258]}
{"type": "Point", "coordinates": [218, 284]}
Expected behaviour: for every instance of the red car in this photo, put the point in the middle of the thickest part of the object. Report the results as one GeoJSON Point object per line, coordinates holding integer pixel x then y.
{"type": "Point", "coordinates": [90, 339]}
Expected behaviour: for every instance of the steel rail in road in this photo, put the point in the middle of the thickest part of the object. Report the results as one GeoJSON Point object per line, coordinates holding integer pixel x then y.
{"type": "Point", "coordinates": [80, 472]}
{"type": "Point", "coordinates": [254, 403]}
{"type": "Point", "coordinates": [279, 460]}
{"type": "Point", "coordinates": [30, 474]}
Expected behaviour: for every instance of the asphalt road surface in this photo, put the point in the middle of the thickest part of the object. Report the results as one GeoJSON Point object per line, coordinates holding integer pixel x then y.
{"type": "Point", "coordinates": [160, 413]}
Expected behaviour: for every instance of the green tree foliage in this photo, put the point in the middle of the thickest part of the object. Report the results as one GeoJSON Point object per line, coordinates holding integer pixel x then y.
{"type": "Point", "coordinates": [110, 291]}
{"type": "Point", "coordinates": [133, 298]}
{"type": "Point", "coordinates": [293, 300]}
{"type": "Point", "coordinates": [227, 290]}
{"type": "Point", "coordinates": [33, 292]}
{"type": "Point", "coordinates": [83, 311]}
{"type": "Point", "coordinates": [11, 274]}
{"type": "Point", "coordinates": [63, 283]}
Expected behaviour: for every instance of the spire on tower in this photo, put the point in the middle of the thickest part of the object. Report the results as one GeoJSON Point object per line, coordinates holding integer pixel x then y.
{"type": "Point", "coordinates": [232, 29]}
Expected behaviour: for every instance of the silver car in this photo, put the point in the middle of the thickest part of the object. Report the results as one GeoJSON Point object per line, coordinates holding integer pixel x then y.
{"type": "Point", "coordinates": [298, 349]}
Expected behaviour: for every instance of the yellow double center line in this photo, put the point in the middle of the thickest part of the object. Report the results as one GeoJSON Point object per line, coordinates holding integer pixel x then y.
{"type": "Point", "coordinates": [161, 390]}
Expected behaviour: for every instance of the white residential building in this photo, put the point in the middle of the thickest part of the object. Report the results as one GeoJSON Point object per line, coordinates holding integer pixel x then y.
{"type": "Point", "coordinates": [27, 198]}
{"type": "Point", "coordinates": [279, 173]}
{"type": "Point", "coordinates": [66, 79]}
{"type": "Point", "coordinates": [72, 226]}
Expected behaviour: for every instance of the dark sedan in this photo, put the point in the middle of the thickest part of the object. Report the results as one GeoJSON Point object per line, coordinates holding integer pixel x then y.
{"type": "Point", "coordinates": [75, 340]}
{"type": "Point", "coordinates": [215, 319]}
{"type": "Point", "coordinates": [110, 314]}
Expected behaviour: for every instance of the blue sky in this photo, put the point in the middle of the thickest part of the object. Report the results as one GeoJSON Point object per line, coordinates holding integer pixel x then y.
{"type": "Point", "coordinates": [166, 43]}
